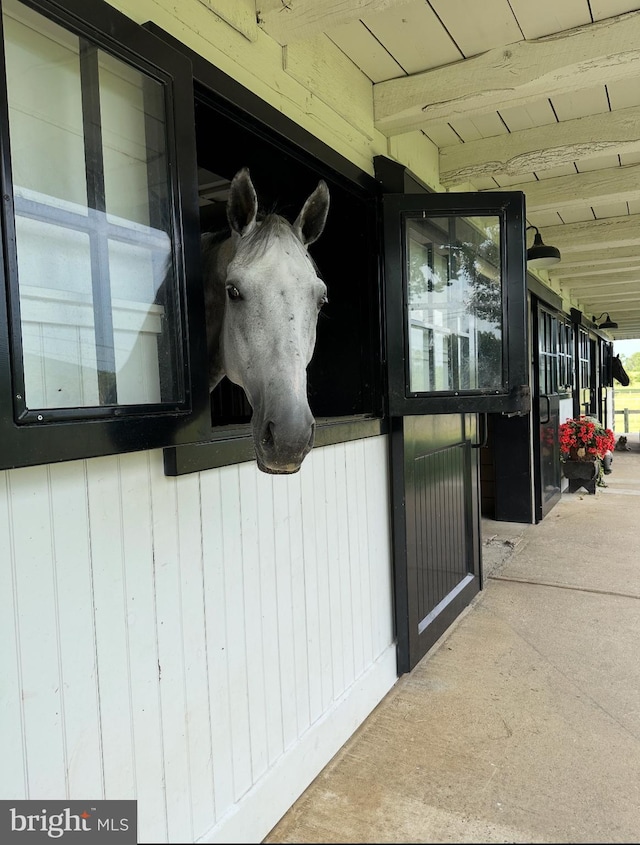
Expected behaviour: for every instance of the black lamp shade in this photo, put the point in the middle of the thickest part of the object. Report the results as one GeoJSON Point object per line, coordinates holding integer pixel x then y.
{"type": "Point", "coordinates": [541, 255]}
{"type": "Point", "coordinates": [608, 323]}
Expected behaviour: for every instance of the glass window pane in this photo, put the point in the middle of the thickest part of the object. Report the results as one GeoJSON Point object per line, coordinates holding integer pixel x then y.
{"type": "Point", "coordinates": [58, 337]}
{"type": "Point", "coordinates": [90, 171]}
{"type": "Point", "coordinates": [454, 303]}
{"type": "Point", "coordinates": [45, 106]}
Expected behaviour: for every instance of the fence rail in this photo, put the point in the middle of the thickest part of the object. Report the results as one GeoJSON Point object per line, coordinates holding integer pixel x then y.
{"type": "Point", "coordinates": [626, 403]}
{"type": "Point", "coordinates": [627, 413]}
{"type": "Point", "coordinates": [629, 399]}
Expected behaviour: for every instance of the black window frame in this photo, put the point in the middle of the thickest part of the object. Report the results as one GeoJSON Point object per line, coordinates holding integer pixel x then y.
{"type": "Point", "coordinates": [606, 363]}
{"type": "Point", "coordinates": [233, 444]}
{"type": "Point", "coordinates": [548, 347]}
{"type": "Point", "coordinates": [566, 346]}
{"type": "Point", "coordinates": [593, 351]}
{"type": "Point", "coordinates": [68, 434]}
{"type": "Point", "coordinates": [584, 358]}
{"type": "Point", "coordinates": [514, 396]}
{"type": "Point", "coordinates": [556, 370]}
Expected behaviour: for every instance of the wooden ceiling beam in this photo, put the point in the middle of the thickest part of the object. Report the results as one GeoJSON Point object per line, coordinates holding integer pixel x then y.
{"type": "Point", "coordinates": [610, 271]}
{"type": "Point", "coordinates": [608, 233]}
{"type": "Point", "coordinates": [625, 292]}
{"type": "Point", "coordinates": [512, 75]}
{"type": "Point", "coordinates": [610, 302]}
{"type": "Point", "coordinates": [542, 148]}
{"type": "Point", "coordinates": [593, 187]}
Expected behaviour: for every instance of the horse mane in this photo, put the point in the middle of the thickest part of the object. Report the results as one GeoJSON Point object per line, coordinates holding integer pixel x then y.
{"type": "Point", "coordinates": [210, 240]}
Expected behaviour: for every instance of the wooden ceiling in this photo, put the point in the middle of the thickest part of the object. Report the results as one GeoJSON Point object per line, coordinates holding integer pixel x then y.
{"type": "Point", "coordinates": [541, 96]}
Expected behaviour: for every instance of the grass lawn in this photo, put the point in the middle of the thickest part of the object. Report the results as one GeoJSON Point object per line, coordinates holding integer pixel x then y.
{"type": "Point", "coordinates": [626, 397]}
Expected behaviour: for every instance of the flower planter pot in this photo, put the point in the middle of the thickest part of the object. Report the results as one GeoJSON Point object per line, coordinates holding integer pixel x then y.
{"type": "Point", "coordinates": [582, 474]}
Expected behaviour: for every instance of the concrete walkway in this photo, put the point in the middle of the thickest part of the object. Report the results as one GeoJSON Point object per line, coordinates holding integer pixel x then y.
{"type": "Point", "coordinates": [522, 724]}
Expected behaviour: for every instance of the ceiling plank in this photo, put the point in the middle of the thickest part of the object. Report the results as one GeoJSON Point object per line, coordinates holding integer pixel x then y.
{"type": "Point", "coordinates": [291, 20]}
{"type": "Point", "coordinates": [512, 75]}
{"type": "Point", "coordinates": [241, 15]}
{"type": "Point", "coordinates": [593, 187]}
{"type": "Point", "coordinates": [365, 51]}
{"type": "Point", "coordinates": [595, 257]}
{"type": "Point", "coordinates": [542, 148]}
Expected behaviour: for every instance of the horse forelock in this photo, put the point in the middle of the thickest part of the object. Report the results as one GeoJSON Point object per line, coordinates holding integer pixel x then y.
{"type": "Point", "coordinates": [273, 229]}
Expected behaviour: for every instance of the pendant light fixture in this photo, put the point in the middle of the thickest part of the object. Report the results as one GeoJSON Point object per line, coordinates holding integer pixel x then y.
{"type": "Point", "coordinates": [607, 324]}
{"type": "Point", "coordinates": [539, 255]}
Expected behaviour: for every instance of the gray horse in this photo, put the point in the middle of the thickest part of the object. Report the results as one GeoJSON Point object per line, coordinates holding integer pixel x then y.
{"type": "Point", "coordinates": [262, 298]}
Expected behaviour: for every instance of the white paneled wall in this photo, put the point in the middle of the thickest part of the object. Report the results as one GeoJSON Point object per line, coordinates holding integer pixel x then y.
{"type": "Point", "coordinates": [203, 644]}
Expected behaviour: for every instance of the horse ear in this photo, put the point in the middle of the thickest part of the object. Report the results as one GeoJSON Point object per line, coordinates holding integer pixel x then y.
{"type": "Point", "coordinates": [242, 205]}
{"type": "Point", "coordinates": [310, 222]}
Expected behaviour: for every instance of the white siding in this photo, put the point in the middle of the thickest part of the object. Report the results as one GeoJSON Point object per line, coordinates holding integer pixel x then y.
{"type": "Point", "coordinates": [204, 644]}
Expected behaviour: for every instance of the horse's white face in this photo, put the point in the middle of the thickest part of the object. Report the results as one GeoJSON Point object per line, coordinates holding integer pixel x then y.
{"type": "Point", "coordinates": [273, 297]}
{"type": "Point", "coordinates": [268, 339]}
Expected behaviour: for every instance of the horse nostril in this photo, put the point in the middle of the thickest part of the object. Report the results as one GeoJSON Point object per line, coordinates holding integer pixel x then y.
{"type": "Point", "coordinates": [311, 436]}
{"type": "Point", "coordinates": [267, 437]}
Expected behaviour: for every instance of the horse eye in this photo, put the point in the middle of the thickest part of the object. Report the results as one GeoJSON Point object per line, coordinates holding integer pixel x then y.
{"type": "Point", "coordinates": [233, 293]}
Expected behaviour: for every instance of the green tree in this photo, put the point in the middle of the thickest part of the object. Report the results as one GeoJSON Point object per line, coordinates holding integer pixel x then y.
{"type": "Point", "coordinates": [631, 363]}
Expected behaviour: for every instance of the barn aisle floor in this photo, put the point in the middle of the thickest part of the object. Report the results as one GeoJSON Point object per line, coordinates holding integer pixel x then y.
{"type": "Point", "coordinates": [522, 724]}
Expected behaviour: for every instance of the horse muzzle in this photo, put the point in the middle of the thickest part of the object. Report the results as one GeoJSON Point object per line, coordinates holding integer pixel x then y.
{"type": "Point", "coordinates": [282, 444]}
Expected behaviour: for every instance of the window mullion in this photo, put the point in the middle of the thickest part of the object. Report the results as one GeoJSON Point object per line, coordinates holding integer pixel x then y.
{"type": "Point", "coordinates": [96, 202]}
{"type": "Point", "coordinates": [155, 146]}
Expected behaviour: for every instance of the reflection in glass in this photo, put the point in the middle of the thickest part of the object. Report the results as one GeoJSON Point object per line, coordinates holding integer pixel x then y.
{"type": "Point", "coordinates": [93, 233]}
{"type": "Point", "coordinates": [454, 303]}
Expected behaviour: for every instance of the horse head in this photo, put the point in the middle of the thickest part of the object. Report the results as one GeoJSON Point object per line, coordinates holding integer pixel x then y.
{"type": "Point", "coordinates": [272, 298]}
{"type": "Point", "coordinates": [619, 372]}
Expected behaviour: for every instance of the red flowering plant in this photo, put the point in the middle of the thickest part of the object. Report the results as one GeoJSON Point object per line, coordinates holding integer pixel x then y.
{"type": "Point", "coordinates": [585, 439]}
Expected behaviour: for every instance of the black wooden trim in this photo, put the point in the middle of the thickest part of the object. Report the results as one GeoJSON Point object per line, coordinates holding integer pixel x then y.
{"type": "Point", "coordinates": [54, 439]}
{"type": "Point", "coordinates": [441, 623]}
{"type": "Point", "coordinates": [395, 178]}
{"type": "Point", "coordinates": [514, 395]}
{"type": "Point", "coordinates": [12, 385]}
{"type": "Point", "coordinates": [235, 445]}
{"type": "Point", "coordinates": [580, 319]}
{"type": "Point", "coordinates": [411, 441]}
{"type": "Point", "coordinates": [399, 556]}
